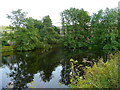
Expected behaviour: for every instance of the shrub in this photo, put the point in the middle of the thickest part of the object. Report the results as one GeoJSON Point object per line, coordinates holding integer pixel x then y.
{"type": "Point", "coordinates": [101, 75]}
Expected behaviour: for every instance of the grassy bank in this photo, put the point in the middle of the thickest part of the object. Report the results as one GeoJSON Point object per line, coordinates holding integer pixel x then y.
{"type": "Point", "coordinates": [6, 48]}
{"type": "Point", "coordinates": [101, 75]}
{"type": "Point", "coordinates": [4, 28]}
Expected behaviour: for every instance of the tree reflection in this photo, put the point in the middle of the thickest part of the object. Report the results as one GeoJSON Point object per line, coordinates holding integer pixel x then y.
{"type": "Point", "coordinates": [24, 65]}
{"type": "Point", "coordinates": [78, 55]}
{"type": "Point", "coordinates": [20, 72]}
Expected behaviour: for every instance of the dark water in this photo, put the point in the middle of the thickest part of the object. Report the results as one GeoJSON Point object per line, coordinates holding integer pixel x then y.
{"type": "Point", "coordinates": [42, 70]}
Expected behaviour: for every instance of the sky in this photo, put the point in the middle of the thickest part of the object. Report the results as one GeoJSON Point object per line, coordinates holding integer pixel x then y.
{"type": "Point", "coordinates": [40, 8]}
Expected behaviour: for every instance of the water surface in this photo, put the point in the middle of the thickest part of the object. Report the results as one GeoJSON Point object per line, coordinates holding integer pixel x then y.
{"type": "Point", "coordinates": [42, 70]}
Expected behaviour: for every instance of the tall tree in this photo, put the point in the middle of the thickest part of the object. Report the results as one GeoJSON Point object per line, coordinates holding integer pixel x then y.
{"type": "Point", "coordinates": [75, 24]}
{"type": "Point", "coordinates": [25, 35]}
{"type": "Point", "coordinates": [17, 19]}
{"type": "Point", "coordinates": [104, 29]}
{"type": "Point", "coordinates": [47, 21]}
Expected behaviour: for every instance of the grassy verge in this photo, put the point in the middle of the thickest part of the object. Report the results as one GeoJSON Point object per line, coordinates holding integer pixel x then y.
{"type": "Point", "coordinates": [4, 28]}
{"type": "Point", "coordinates": [6, 48]}
{"type": "Point", "coordinates": [101, 75]}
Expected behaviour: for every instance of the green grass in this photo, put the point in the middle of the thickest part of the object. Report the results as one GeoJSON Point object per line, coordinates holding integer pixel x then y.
{"type": "Point", "coordinates": [4, 28]}
{"type": "Point", "coordinates": [6, 48]}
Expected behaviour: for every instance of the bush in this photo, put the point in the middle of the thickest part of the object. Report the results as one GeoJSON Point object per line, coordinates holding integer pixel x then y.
{"type": "Point", "coordinates": [101, 75]}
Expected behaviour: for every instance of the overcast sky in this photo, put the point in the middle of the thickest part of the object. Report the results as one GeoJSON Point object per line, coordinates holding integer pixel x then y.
{"type": "Point", "coordinates": [39, 8]}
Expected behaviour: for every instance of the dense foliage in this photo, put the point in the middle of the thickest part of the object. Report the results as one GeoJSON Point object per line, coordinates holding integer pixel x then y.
{"type": "Point", "coordinates": [79, 30]}
{"type": "Point", "coordinates": [76, 27]}
{"type": "Point", "coordinates": [104, 27]}
{"type": "Point", "coordinates": [29, 33]}
{"type": "Point", "coordinates": [99, 31]}
{"type": "Point", "coordinates": [101, 75]}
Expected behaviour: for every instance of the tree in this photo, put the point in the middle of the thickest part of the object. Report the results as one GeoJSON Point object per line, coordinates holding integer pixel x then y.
{"type": "Point", "coordinates": [25, 35]}
{"type": "Point", "coordinates": [57, 29]}
{"type": "Point", "coordinates": [37, 23]}
{"type": "Point", "coordinates": [75, 24]}
{"type": "Point", "coordinates": [17, 19]}
{"type": "Point", "coordinates": [104, 29]}
{"type": "Point", "coordinates": [47, 21]}
{"type": "Point", "coordinates": [47, 31]}
{"type": "Point", "coordinates": [118, 27]}
{"type": "Point", "coordinates": [99, 31]}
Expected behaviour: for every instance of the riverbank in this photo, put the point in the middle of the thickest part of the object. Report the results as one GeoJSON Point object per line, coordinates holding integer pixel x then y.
{"type": "Point", "coordinates": [7, 49]}
{"type": "Point", "coordinates": [100, 75]}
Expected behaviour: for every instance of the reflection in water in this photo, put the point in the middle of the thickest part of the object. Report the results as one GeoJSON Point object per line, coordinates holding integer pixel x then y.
{"type": "Point", "coordinates": [24, 66]}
